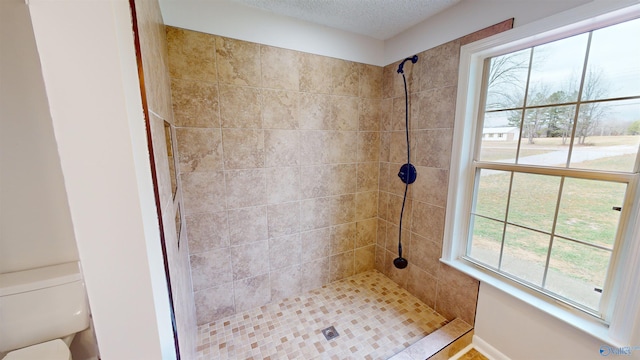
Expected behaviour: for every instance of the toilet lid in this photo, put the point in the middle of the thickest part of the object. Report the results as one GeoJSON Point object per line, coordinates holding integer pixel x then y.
{"type": "Point", "coordinates": [50, 350]}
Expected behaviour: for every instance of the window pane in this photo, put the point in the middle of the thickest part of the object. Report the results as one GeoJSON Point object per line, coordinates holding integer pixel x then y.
{"type": "Point", "coordinates": [586, 212]}
{"type": "Point", "coordinates": [607, 136]}
{"type": "Point", "coordinates": [575, 270]}
{"type": "Point", "coordinates": [507, 80]}
{"type": "Point", "coordinates": [492, 194]}
{"type": "Point", "coordinates": [524, 254]}
{"type": "Point", "coordinates": [557, 66]}
{"type": "Point", "coordinates": [486, 239]}
{"type": "Point", "coordinates": [571, 104]}
{"type": "Point", "coordinates": [533, 200]}
{"type": "Point", "coordinates": [500, 134]}
{"type": "Point", "coordinates": [614, 62]}
{"type": "Point", "coordinates": [547, 135]}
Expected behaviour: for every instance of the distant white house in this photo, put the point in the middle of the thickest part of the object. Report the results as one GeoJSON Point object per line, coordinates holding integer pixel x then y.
{"type": "Point", "coordinates": [500, 133]}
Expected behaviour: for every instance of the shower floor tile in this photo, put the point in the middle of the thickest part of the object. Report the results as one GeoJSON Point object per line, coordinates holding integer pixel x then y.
{"type": "Point", "coordinates": [374, 317]}
{"type": "Point", "coordinates": [473, 354]}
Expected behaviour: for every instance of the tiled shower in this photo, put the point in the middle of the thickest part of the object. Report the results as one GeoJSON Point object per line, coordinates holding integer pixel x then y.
{"type": "Point", "coordinates": [287, 166]}
{"type": "Point", "coordinates": [278, 155]}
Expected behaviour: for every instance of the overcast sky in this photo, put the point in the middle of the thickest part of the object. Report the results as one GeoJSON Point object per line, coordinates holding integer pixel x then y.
{"type": "Point", "coordinates": [614, 53]}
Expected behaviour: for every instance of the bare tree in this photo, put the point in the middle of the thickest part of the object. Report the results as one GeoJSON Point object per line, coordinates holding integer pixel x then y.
{"type": "Point", "coordinates": [590, 114]}
{"type": "Point", "coordinates": [506, 79]}
{"type": "Point", "coordinates": [507, 74]}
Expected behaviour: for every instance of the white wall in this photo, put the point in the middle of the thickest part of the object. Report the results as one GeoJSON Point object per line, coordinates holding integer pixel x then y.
{"type": "Point", "coordinates": [522, 332]}
{"type": "Point", "coordinates": [35, 224]}
{"type": "Point", "coordinates": [89, 69]}
{"type": "Point", "coordinates": [466, 17]}
{"type": "Point", "coordinates": [244, 23]}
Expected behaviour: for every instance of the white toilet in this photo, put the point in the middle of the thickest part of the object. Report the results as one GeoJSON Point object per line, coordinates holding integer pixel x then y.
{"type": "Point", "coordinates": [41, 310]}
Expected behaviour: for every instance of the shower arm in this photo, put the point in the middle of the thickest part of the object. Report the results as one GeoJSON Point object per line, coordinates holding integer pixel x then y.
{"type": "Point", "coordinates": [414, 59]}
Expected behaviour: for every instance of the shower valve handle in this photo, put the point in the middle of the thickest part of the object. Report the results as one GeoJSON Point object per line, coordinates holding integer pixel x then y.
{"type": "Point", "coordinates": [407, 173]}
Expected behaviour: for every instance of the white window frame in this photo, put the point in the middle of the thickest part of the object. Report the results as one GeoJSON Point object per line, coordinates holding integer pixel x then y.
{"type": "Point", "coordinates": [625, 302]}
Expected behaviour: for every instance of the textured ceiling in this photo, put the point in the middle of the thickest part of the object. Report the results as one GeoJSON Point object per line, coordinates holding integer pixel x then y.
{"type": "Point", "coordinates": [380, 19]}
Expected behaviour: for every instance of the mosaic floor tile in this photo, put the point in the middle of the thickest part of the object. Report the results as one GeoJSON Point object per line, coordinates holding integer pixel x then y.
{"type": "Point", "coordinates": [473, 354]}
{"type": "Point", "coordinates": [375, 319]}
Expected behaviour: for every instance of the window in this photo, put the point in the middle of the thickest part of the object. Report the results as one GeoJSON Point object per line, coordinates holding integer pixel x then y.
{"type": "Point", "coordinates": [548, 209]}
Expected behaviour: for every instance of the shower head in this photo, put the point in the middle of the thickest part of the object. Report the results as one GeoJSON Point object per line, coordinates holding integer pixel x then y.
{"type": "Point", "coordinates": [414, 59]}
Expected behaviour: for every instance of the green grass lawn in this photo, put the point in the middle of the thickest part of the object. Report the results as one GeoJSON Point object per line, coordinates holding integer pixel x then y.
{"type": "Point", "coordinates": [609, 163]}
{"type": "Point", "coordinates": [585, 214]}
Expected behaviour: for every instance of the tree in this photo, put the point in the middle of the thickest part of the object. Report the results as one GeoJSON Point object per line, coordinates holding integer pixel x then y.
{"type": "Point", "coordinates": [534, 119]}
{"type": "Point", "coordinates": [634, 128]}
{"type": "Point", "coordinates": [560, 118]}
{"type": "Point", "coordinates": [590, 114]}
{"type": "Point", "coordinates": [506, 78]}
{"type": "Point", "coordinates": [507, 74]}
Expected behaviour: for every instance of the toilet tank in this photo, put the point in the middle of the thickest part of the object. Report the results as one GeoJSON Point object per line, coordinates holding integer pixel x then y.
{"type": "Point", "coordinates": [41, 304]}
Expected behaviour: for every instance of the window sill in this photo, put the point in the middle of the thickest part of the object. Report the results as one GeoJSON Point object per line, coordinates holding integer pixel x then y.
{"type": "Point", "coordinates": [582, 322]}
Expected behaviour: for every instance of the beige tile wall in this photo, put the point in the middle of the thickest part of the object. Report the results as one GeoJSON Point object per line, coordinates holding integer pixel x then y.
{"type": "Point", "coordinates": [279, 157]}
{"type": "Point", "coordinates": [288, 168]}
{"type": "Point", "coordinates": [153, 49]}
{"type": "Point", "coordinates": [432, 85]}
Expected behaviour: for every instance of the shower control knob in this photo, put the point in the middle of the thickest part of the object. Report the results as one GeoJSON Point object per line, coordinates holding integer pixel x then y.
{"type": "Point", "coordinates": [407, 173]}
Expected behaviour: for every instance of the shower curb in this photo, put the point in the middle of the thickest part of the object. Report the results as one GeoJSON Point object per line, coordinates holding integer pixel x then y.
{"type": "Point", "coordinates": [440, 344]}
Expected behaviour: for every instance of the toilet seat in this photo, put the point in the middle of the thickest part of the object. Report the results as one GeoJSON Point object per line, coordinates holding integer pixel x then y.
{"type": "Point", "coordinates": [50, 350]}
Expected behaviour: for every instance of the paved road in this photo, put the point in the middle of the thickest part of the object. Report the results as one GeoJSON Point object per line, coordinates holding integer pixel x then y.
{"type": "Point", "coordinates": [579, 154]}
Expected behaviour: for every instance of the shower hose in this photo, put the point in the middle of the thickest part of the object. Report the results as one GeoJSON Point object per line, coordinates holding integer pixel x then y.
{"type": "Point", "coordinates": [407, 171]}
